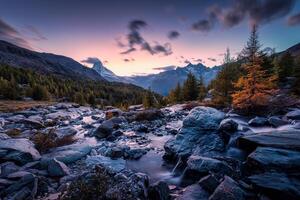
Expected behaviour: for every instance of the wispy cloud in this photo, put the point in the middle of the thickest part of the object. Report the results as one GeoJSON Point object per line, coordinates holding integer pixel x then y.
{"type": "Point", "coordinates": [11, 34]}
{"type": "Point", "coordinates": [90, 60]}
{"type": "Point", "coordinates": [167, 68]}
{"type": "Point", "coordinates": [294, 20]}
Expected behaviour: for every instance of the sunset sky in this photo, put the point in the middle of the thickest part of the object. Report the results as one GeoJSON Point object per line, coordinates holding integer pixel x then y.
{"type": "Point", "coordinates": [137, 36]}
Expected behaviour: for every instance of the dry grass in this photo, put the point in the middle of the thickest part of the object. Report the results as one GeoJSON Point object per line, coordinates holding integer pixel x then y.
{"type": "Point", "coordinates": [13, 132]}
{"type": "Point", "coordinates": [12, 106]}
{"type": "Point", "coordinates": [44, 142]}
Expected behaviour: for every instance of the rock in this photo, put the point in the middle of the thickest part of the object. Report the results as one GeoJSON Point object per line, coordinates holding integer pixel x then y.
{"type": "Point", "coordinates": [267, 158]}
{"type": "Point", "coordinates": [17, 175]}
{"type": "Point", "coordinates": [113, 113]}
{"type": "Point", "coordinates": [20, 150]}
{"type": "Point", "coordinates": [67, 154]}
{"type": "Point", "coordinates": [16, 118]}
{"type": "Point", "coordinates": [276, 121]}
{"type": "Point", "coordinates": [295, 114]}
{"type": "Point", "coordinates": [277, 185]}
{"type": "Point", "coordinates": [148, 115]}
{"type": "Point", "coordinates": [24, 193]}
{"type": "Point", "coordinates": [204, 118]}
{"type": "Point", "coordinates": [104, 130]}
{"type": "Point", "coordinates": [33, 123]}
{"type": "Point", "coordinates": [114, 165]}
{"type": "Point", "coordinates": [209, 183]}
{"type": "Point", "coordinates": [199, 166]}
{"type": "Point", "coordinates": [8, 168]}
{"type": "Point", "coordinates": [134, 153]}
{"type": "Point", "coordinates": [57, 168]}
{"type": "Point", "coordinates": [28, 179]}
{"type": "Point", "coordinates": [288, 139]}
{"type": "Point", "coordinates": [159, 191]}
{"type": "Point", "coordinates": [258, 121]}
{"type": "Point", "coordinates": [135, 107]}
{"type": "Point", "coordinates": [114, 152]}
{"type": "Point", "coordinates": [3, 136]}
{"type": "Point", "coordinates": [228, 190]}
{"type": "Point", "coordinates": [228, 125]}
{"type": "Point", "coordinates": [65, 131]}
{"type": "Point", "coordinates": [297, 125]}
{"type": "Point", "coordinates": [5, 182]}
{"type": "Point", "coordinates": [193, 192]}
{"type": "Point", "coordinates": [141, 128]}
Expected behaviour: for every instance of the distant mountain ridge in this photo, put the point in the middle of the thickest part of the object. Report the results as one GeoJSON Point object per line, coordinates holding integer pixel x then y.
{"type": "Point", "coordinates": [45, 63]}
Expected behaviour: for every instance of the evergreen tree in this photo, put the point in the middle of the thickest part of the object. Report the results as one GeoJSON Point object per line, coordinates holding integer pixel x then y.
{"type": "Point", "coordinates": [284, 67]}
{"type": "Point", "coordinates": [223, 85]}
{"type": "Point", "coordinates": [78, 98]}
{"type": "Point", "coordinates": [253, 88]}
{"type": "Point", "coordinates": [190, 88]}
{"type": "Point", "coordinates": [201, 89]}
{"type": "Point", "coordinates": [296, 85]}
{"type": "Point", "coordinates": [40, 93]}
{"type": "Point", "coordinates": [148, 99]}
{"type": "Point", "coordinates": [175, 94]}
{"type": "Point", "coordinates": [92, 100]}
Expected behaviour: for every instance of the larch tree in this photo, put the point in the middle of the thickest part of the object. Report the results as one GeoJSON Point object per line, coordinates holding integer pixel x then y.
{"type": "Point", "coordinates": [190, 88]}
{"type": "Point", "coordinates": [253, 88]}
{"type": "Point", "coordinates": [201, 89]}
{"type": "Point", "coordinates": [175, 94]}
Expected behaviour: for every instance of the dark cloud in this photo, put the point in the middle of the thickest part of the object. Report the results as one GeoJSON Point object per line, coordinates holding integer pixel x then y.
{"type": "Point", "coordinates": [212, 59]}
{"type": "Point", "coordinates": [10, 34]}
{"type": "Point", "coordinates": [164, 68]}
{"type": "Point", "coordinates": [294, 20]}
{"type": "Point", "coordinates": [202, 25]}
{"type": "Point", "coordinates": [199, 60]}
{"type": "Point", "coordinates": [186, 62]}
{"type": "Point", "coordinates": [135, 39]}
{"type": "Point", "coordinates": [37, 35]}
{"type": "Point", "coordinates": [257, 11]}
{"type": "Point", "coordinates": [173, 35]}
{"type": "Point", "coordinates": [90, 60]}
{"type": "Point", "coordinates": [128, 59]}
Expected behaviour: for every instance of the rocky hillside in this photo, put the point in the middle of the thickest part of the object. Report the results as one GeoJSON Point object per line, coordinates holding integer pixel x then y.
{"type": "Point", "coordinates": [78, 152]}
{"type": "Point", "coordinates": [44, 62]}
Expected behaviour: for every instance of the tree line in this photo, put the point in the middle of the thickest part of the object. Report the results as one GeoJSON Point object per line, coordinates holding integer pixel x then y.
{"type": "Point", "coordinates": [247, 82]}
{"type": "Point", "coordinates": [18, 83]}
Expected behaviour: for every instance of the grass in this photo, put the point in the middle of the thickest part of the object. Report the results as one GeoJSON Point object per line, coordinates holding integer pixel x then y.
{"type": "Point", "coordinates": [43, 142]}
{"type": "Point", "coordinates": [12, 106]}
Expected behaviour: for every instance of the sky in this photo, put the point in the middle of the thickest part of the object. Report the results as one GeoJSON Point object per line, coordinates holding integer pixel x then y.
{"type": "Point", "coordinates": [134, 37]}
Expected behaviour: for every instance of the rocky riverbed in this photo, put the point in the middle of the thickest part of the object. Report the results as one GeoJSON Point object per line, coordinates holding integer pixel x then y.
{"type": "Point", "coordinates": [67, 151]}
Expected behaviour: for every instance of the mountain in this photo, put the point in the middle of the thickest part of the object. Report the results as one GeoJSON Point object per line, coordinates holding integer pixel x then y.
{"type": "Point", "coordinates": [108, 74]}
{"type": "Point", "coordinates": [45, 63]}
{"type": "Point", "coordinates": [294, 50]}
{"type": "Point", "coordinates": [163, 82]}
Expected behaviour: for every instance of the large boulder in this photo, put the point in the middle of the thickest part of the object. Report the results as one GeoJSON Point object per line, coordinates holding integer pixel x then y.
{"type": "Point", "coordinates": [209, 183]}
{"type": "Point", "coordinates": [198, 135]}
{"type": "Point", "coordinates": [277, 185]}
{"type": "Point", "coordinates": [148, 115]}
{"type": "Point", "coordinates": [65, 131]}
{"type": "Point", "coordinates": [57, 168]}
{"type": "Point", "coordinates": [204, 118]}
{"type": "Point", "coordinates": [228, 125]}
{"type": "Point", "coordinates": [193, 192]}
{"type": "Point", "coordinates": [287, 139]}
{"type": "Point", "coordinates": [267, 158]}
{"type": "Point", "coordinates": [107, 127]}
{"type": "Point", "coordinates": [20, 150]}
{"type": "Point", "coordinates": [228, 190]}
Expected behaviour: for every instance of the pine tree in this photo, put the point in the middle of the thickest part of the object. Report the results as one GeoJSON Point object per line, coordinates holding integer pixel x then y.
{"type": "Point", "coordinates": [254, 89]}
{"type": "Point", "coordinates": [148, 99]}
{"type": "Point", "coordinates": [223, 85]}
{"type": "Point", "coordinates": [175, 94]}
{"type": "Point", "coordinates": [296, 85]}
{"type": "Point", "coordinates": [201, 89]}
{"type": "Point", "coordinates": [190, 88]}
{"type": "Point", "coordinates": [284, 66]}
{"type": "Point", "coordinates": [40, 93]}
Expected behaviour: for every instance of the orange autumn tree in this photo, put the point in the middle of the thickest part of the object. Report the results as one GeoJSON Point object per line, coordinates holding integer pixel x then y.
{"type": "Point", "coordinates": [254, 88]}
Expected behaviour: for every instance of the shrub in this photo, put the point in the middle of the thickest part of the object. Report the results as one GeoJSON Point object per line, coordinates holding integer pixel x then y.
{"type": "Point", "coordinates": [40, 93]}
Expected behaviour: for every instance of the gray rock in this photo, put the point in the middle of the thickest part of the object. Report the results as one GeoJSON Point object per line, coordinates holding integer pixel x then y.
{"type": "Point", "coordinates": [24, 193]}
{"type": "Point", "coordinates": [113, 113]}
{"type": "Point", "coordinates": [18, 174]}
{"type": "Point", "coordinates": [205, 118]}
{"type": "Point", "coordinates": [258, 121]}
{"type": "Point", "coordinates": [276, 121]}
{"type": "Point", "coordinates": [228, 190]}
{"type": "Point", "coordinates": [16, 118]}
{"type": "Point", "coordinates": [33, 123]}
{"type": "Point", "coordinates": [287, 139]}
{"type": "Point", "coordinates": [65, 131]}
{"type": "Point", "coordinates": [3, 136]}
{"type": "Point", "coordinates": [113, 165]}
{"type": "Point", "coordinates": [104, 130]}
{"type": "Point", "coordinates": [5, 182]}
{"type": "Point", "coordinates": [295, 114]}
{"type": "Point", "coordinates": [25, 180]}
{"type": "Point", "coordinates": [20, 150]}
{"type": "Point", "coordinates": [209, 183]}
{"type": "Point", "coordinates": [114, 152]}
{"type": "Point", "coordinates": [159, 191]}
{"type": "Point", "coordinates": [203, 165]}
{"type": "Point", "coordinates": [277, 185]}
{"type": "Point", "coordinates": [228, 125]}
{"type": "Point", "coordinates": [57, 168]}
{"type": "Point", "coordinates": [266, 159]}
{"type": "Point", "coordinates": [8, 168]}
{"type": "Point", "coordinates": [67, 154]}
{"type": "Point", "coordinates": [193, 192]}
{"type": "Point", "coordinates": [134, 153]}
